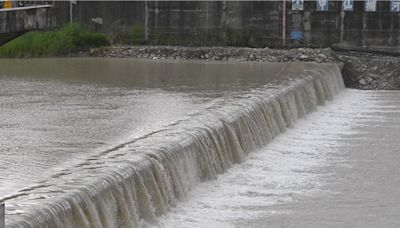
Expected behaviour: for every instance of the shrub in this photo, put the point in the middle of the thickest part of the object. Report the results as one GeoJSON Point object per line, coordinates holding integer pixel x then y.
{"type": "Point", "coordinates": [134, 35]}
{"type": "Point", "coordinates": [68, 39]}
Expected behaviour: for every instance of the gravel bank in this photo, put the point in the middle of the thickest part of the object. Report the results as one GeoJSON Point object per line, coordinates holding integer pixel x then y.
{"type": "Point", "coordinates": [372, 72]}
{"type": "Point", "coordinates": [217, 53]}
{"type": "Point", "coordinates": [360, 71]}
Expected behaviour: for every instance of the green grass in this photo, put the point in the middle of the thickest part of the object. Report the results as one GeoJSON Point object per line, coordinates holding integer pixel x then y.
{"type": "Point", "coordinates": [135, 35]}
{"type": "Point", "coordinates": [68, 39]}
{"type": "Point", "coordinates": [212, 37]}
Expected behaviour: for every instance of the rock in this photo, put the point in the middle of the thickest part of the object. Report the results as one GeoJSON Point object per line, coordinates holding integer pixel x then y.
{"type": "Point", "coordinates": [362, 82]}
{"type": "Point", "coordinates": [368, 80]}
{"type": "Point", "coordinates": [273, 59]}
{"type": "Point", "coordinates": [92, 51]}
{"type": "Point", "coordinates": [304, 57]}
{"type": "Point", "coordinates": [252, 57]}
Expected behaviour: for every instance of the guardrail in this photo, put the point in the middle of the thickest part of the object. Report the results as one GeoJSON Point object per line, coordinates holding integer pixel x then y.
{"type": "Point", "coordinates": [25, 8]}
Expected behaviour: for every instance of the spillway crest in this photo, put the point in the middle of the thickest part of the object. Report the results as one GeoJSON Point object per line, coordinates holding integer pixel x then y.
{"type": "Point", "coordinates": [133, 184]}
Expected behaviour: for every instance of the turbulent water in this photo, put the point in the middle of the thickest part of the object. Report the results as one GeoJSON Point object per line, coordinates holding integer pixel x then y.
{"type": "Point", "coordinates": [54, 111]}
{"type": "Point", "coordinates": [338, 167]}
{"type": "Point", "coordinates": [231, 145]}
{"type": "Point", "coordinates": [137, 181]}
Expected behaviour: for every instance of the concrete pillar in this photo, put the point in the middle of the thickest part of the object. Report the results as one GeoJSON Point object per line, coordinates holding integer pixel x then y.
{"type": "Point", "coordinates": [342, 15]}
{"type": "Point", "coordinates": [146, 21]}
{"type": "Point", "coordinates": [363, 31]}
{"type": "Point", "coordinates": [2, 215]}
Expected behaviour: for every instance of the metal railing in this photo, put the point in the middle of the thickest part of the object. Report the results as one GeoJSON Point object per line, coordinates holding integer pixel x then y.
{"type": "Point", "coordinates": [26, 7]}
{"type": "Point", "coordinates": [8, 4]}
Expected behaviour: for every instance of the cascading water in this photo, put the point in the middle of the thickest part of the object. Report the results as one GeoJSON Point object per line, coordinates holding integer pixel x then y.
{"type": "Point", "coordinates": [138, 181]}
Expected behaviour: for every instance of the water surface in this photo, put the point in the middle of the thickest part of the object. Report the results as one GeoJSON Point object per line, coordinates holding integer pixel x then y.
{"type": "Point", "coordinates": [338, 167]}
{"type": "Point", "coordinates": [74, 132]}
{"type": "Point", "coordinates": [60, 110]}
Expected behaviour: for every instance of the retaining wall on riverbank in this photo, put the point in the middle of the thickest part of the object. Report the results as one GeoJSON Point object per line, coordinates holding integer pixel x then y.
{"type": "Point", "coordinates": [16, 21]}
{"type": "Point", "coordinates": [258, 23]}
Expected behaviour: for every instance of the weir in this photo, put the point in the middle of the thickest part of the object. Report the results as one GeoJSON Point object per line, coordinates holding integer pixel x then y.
{"type": "Point", "coordinates": [142, 179]}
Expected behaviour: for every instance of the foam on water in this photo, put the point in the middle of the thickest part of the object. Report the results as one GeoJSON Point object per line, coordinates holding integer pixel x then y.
{"type": "Point", "coordinates": [139, 181]}
{"type": "Point", "coordinates": [288, 168]}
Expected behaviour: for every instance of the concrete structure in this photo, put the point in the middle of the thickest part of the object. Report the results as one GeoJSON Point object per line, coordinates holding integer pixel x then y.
{"type": "Point", "coordinates": [262, 23]}
{"type": "Point", "coordinates": [263, 20]}
{"type": "Point", "coordinates": [16, 21]}
{"type": "Point", "coordinates": [2, 215]}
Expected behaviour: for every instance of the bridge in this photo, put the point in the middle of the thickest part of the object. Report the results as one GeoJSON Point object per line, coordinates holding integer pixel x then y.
{"type": "Point", "coordinates": [16, 21]}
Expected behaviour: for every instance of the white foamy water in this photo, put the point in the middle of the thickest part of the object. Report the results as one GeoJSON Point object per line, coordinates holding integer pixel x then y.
{"type": "Point", "coordinates": [360, 189]}
{"type": "Point", "coordinates": [338, 167]}
{"type": "Point", "coordinates": [288, 168]}
{"type": "Point", "coordinates": [138, 181]}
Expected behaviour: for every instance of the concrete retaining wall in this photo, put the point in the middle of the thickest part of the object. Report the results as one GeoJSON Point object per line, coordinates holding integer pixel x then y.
{"type": "Point", "coordinates": [14, 22]}
{"type": "Point", "coordinates": [264, 18]}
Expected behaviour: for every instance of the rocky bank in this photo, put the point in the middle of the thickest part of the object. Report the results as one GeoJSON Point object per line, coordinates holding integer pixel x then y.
{"type": "Point", "coordinates": [368, 71]}
{"type": "Point", "coordinates": [361, 70]}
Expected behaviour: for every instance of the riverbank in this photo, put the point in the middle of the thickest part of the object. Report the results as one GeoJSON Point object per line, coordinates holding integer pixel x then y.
{"type": "Point", "coordinates": [370, 71]}
{"type": "Point", "coordinates": [360, 70]}
{"type": "Point", "coordinates": [61, 42]}
{"type": "Point", "coordinates": [218, 53]}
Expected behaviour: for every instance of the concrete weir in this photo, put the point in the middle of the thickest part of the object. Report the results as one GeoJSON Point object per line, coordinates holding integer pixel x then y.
{"type": "Point", "coordinates": [145, 178]}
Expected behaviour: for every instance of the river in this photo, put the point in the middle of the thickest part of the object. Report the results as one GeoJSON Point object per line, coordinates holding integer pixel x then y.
{"type": "Point", "coordinates": [56, 111]}
{"type": "Point", "coordinates": [339, 167]}
{"type": "Point", "coordinates": [92, 142]}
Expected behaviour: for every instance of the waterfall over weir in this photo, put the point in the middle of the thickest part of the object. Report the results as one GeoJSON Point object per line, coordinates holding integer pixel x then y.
{"type": "Point", "coordinates": [134, 183]}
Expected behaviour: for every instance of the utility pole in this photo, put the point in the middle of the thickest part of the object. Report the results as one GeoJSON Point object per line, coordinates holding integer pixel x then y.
{"type": "Point", "coordinates": [71, 12]}
{"type": "Point", "coordinates": [342, 14]}
{"type": "Point", "coordinates": [284, 23]}
{"type": "Point", "coordinates": [146, 21]}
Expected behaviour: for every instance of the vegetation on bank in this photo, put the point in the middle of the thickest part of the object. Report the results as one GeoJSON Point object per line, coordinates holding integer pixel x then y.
{"type": "Point", "coordinates": [75, 38]}
{"type": "Point", "coordinates": [211, 37]}
{"type": "Point", "coordinates": [129, 36]}
{"type": "Point", "coordinates": [61, 42]}
{"type": "Point", "coordinates": [135, 35]}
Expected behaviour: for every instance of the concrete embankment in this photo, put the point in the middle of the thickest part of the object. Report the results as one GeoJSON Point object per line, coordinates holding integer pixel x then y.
{"type": "Point", "coordinates": [360, 70]}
